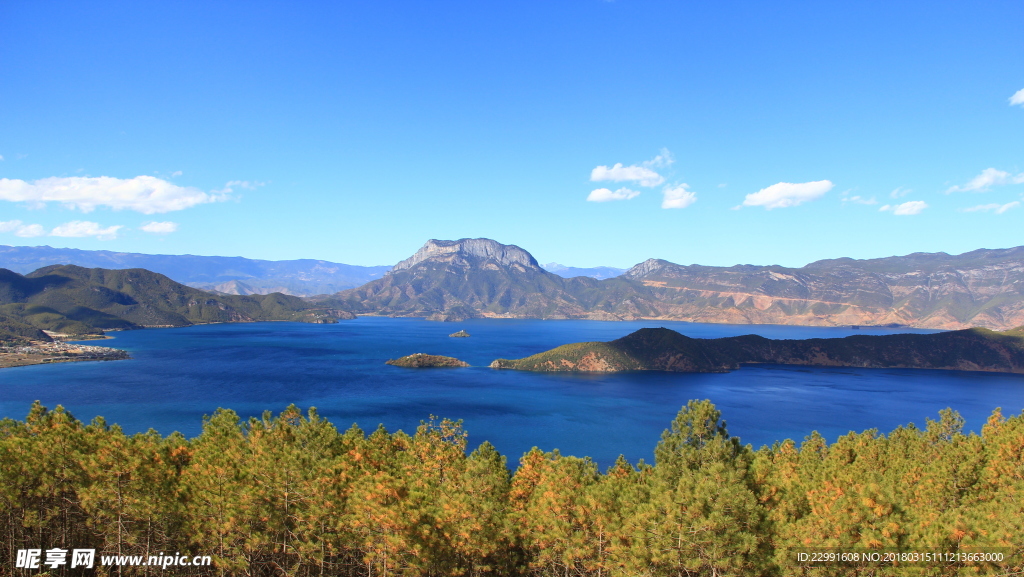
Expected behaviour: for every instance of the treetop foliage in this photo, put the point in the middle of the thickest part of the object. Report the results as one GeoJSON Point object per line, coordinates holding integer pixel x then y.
{"type": "Point", "coordinates": [290, 494]}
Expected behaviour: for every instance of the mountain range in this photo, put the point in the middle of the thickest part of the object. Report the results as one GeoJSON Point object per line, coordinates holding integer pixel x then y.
{"type": "Point", "coordinates": [598, 272]}
{"type": "Point", "coordinates": [929, 290]}
{"type": "Point", "coordinates": [481, 278]}
{"type": "Point", "coordinates": [233, 274]}
{"type": "Point", "coordinates": [223, 274]}
{"type": "Point", "coordinates": [468, 278]}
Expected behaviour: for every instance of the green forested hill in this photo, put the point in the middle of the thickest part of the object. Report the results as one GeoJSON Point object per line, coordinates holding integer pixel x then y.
{"type": "Point", "coordinates": [14, 330]}
{"type": "Point", "coordinates": [666, 350]}
{"type": "Point", "coordinates": [292, 495]}
{"type": "Point", "coordinates": [76, 300]}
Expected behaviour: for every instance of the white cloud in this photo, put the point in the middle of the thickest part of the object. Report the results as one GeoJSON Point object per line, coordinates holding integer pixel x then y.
{"type": "Point", "coordinates": [175, 173]}
{"type": "Point", "coordinates": [678, 196]}
{"type": "Point", "coordinates": [900, 192]}
{"type": "Point", "coordinates": [22, 230]}
{"type": "Point", "coordinates": [1017, 98]}
{"type": "Point", "coordinates": [859, 200]}
{"type": "Point", "coordinates": [604, 194]}
{"type": "Point", "coordinates": [996, 208]}
{"type": "Point", "coordinates": [640, 173]}
{"type": "Point", "coordinates": [82, 228]}
{"type": "Point", "coordinates": [160, 227]}
{"type": "Point", "coordinates": [145, 194]}
{"type": "Point", "coordinates": [987, 179]}
{"type": "Point", "coordinates": [618, 173]}
{"type": "Point", "coordinates": [30, 230]}
{"type": "Point", "coordinates": [906, 209]}
{"type": "Point", "coordinates": [786, 194]}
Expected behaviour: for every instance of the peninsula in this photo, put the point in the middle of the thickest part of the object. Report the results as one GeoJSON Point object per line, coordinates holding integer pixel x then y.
{"type": "Point", "coordinates": [662, 349]}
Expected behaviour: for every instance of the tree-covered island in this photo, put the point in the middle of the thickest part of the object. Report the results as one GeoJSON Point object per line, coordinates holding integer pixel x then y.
{"type": "Point", "coordinates": [425, 361]}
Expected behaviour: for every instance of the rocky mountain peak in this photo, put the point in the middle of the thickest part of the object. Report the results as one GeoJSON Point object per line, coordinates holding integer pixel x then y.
{"type": "Point", "coordinates": [485, 248]}
{"type": "Point", "coordinates": [645, 268]}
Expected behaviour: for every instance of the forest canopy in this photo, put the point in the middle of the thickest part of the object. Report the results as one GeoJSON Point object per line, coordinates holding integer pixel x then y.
{"type": "Point", "coordinates": [292, 495]}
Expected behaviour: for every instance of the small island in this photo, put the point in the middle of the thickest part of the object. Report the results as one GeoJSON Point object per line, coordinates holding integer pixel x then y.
{"type": "Point", "coordinates": [461, 333]}
{"type": "Point", "coordinates": [425, 361]}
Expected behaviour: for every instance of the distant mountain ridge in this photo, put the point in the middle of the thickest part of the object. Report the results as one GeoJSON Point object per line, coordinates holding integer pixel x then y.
{"type": "Point", "coordinates": [928, 290]}
{"type": "Point", "coordinates": [473, 278]}
{"type": "Point", "coordinates": [451, 280]}
{"type": "Point", "coordinates": [230, 275]}
{"type": "Point", "coordinates": [598, 272]}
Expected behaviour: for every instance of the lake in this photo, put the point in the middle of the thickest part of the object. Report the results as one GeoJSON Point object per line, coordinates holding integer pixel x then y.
{"type": "Point", "coordinates": [178, 375]}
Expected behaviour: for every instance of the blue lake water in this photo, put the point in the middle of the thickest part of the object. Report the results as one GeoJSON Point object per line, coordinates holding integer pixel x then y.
{"type": "Point", "coordinates": [178, 375]}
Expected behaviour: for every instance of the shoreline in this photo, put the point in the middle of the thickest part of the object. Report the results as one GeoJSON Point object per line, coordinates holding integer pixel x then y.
{"type": "Point", "coordinates": [56, 352]}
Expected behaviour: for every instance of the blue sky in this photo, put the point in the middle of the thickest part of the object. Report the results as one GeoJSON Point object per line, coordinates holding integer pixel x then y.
{"type": "Point", "coordinates": [712, 133]}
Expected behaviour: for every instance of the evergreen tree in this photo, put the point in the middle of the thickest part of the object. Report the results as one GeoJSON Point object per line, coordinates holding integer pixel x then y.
{"type": "Point", "coordinates": [702, 517]}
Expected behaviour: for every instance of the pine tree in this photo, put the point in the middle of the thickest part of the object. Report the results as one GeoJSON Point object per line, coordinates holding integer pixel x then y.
{"type": "Point", "coordinates": [703, 517]}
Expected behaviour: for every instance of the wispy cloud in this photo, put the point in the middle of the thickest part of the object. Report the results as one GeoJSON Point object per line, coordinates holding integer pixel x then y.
{"type": "Point", "coordinates": [642, 174]}
{"type": "Point", "coordinates": [663, 160]}
{"type": "Point", "coordinates": [900, 192]}
{"type": "Point", "coordinates": [995, 207]}
{"type": "Point", "coordinates": [906, 209]}
{"type": "Point", "coordinates": [987, 179]}
{"type": "Point", "coordinates": [145, 194]}
{"type": "Point", "coordinates": [166, 227]}
{"type": "Point", "coordinates": [679, 196]}
{"type": "Point", "coordinates": [21, 229]}
{"type": "Point", "coordinates": [176, 173]}
{"type": "Point", "coordinates": [1017, 98]}
{"type": "Point", "coordinates": [84, 228]}
{"type": "Point", "coordinates": [787, 194]}
{"type": "Point", "coordinates": [845, 197]}
{"type": "Point", "coordinates": [231, 185]}
{"type": "Point", "coordinates": [605, 194]}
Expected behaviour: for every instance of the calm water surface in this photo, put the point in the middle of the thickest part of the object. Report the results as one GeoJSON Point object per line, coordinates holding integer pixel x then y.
{"type": "Point", "coordinates": [178, 375]}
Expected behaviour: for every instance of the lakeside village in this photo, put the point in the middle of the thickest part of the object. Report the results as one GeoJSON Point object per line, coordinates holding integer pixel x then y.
{"type": "Point", "coordinates": [58, 351]}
